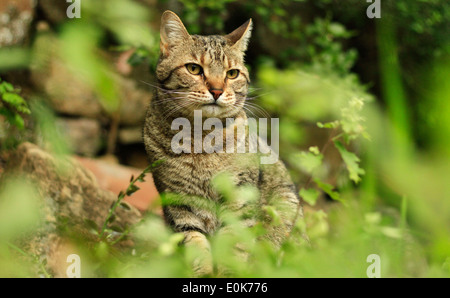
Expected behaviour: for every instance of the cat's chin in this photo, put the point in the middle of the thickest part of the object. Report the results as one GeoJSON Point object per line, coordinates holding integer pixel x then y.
{"type": "Point", "coordinates": [213, 110]}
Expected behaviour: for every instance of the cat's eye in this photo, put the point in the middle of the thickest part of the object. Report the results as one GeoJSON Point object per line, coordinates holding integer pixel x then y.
{"type": "Point", "coordinates": [233, 73]}
{"type": "Point", "coordinates": [194, 69]}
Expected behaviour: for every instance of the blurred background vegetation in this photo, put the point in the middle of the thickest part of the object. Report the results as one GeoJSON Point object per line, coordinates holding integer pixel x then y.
{"type": "Point", "coordinates": [363, 104]}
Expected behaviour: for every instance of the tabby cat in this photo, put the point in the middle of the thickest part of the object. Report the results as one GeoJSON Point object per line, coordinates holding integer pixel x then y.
{"type": "Point", "coordinates": [207, 73]}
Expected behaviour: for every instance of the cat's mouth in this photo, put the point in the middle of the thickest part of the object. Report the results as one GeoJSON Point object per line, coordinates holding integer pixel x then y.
{"type": "Point", "coordinates": [213, 109]}
{"type": "Point", "coordinates": [216, 103]}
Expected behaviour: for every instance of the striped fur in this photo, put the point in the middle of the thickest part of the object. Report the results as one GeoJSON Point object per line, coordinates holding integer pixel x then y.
{"type": "Point", "coordinates": [189, 175]}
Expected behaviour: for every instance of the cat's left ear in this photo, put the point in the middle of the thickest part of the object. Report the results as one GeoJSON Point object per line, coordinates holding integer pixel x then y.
{"type": "Point", "coordinates": [172, 32]}
{"type": "Point", "coordinates": [241, 36]}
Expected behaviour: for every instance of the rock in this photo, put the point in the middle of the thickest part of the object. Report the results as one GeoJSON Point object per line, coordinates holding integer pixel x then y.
{"type": "Point", "coordinates": [54, 11]}
{"type": "Point", "coordinates": [122, 65]}
{"type": "Point", "coordinates": [130, 135]}
{"type": "Point", "coordinates": [15, 20]}
{"type": "Point", "coordinates": [135, 101]}
{"type": "Point", "coordinates": [69, 94]}
{"type": "Point", "coordinates": [116, 178]}
{"type": "Point", "coordinates": [83, 135]}
{"type": "Point", "coordinates": [71, 197]}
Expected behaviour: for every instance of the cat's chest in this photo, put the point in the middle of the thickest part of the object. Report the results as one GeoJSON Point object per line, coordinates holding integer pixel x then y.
{"type": "Point", "coordinates": [194, 173]}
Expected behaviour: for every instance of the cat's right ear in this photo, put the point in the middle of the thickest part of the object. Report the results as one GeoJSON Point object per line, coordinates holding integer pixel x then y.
{"type": "Point", "coordinates": [240, 37]}
{"type": "Point", "coordinates": [172, 32]}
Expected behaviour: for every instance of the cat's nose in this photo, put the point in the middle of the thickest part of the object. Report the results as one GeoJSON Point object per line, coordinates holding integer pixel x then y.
{"type": "Point", "coordinates": [216, 93]}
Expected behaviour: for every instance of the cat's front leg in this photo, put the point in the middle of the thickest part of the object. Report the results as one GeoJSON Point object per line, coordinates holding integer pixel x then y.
{"type": "Point", "coordinates": [279, 192]}
{"type": "Point", "coordinates": [202, 262]}
{"type": "Point", "coordinates": [188, 215]}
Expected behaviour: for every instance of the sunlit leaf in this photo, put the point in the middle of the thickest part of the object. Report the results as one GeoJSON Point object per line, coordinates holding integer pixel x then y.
{"type": "Point", "coordinates": [91, 224]}
{"type": "Point", "coordinates": [333, 124]}
{"type": "Point", "coordinates": [274, 215]}
{"type": "Point", "coordinates": [309, 195]}
{"type": "Point", "coordinates": [314, 149]}
{"type": "Point", "coordinates": [351, 161]}
{"type": "Point", "coordinates": [328, 189]}
{"type": "Point", "coordinates": [132, 189]}
{"type": "Point", "coordinates": [307, 161]}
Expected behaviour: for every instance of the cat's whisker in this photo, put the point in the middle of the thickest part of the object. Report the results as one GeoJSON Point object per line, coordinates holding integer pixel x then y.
{"type": "Point", "coordinates": [153, 85]}
{"type": "Point", "coordinates": [169, 91]}
{"type": "Point", "coordinates": [176, 109]}
{"type": "Point", "coordinates": [165, 100]}
{"type": "Point", "coordinates": [252, 105]}
{"type": "Point", "coordinates": [262, 112]}
{"type": "Point", "coordinates": [253, 90]}
{"type": "Point", "coordinates": [250, 113]}
{"type": "Point", "coordinates": [197, 101]}
{"type": "Point", "coordinates": [257, 96]}
{"type": "Point", "coordinates": [258, 108]}
{"type": "Point", "coordinates": [178, 106]}
{"type": "Point", "coordinates": [240, 104]}
{"type": "Point", "coordinates": [171, 97]}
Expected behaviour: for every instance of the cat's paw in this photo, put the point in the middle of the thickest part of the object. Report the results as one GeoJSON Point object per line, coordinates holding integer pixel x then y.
{"type": "Point", "coordinates": [200, 249]}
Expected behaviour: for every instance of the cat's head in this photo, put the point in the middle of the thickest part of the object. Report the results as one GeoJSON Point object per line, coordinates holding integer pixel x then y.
{"type": "Point", "coordinates": [202, 72]}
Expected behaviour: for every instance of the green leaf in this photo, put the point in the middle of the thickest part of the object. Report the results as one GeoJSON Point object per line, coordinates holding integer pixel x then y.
{"type": "Point", "coordinates": [111, 219]}
{"type": "Point", "coordinates": [91, 225]}
{"type": "Point", "coordinates": [308, 161]}
{"type": "Point", "coordinates": [12, 118]}
{"type": "Point", "coordinates": [5, 86]}
{"type": "Point", "coordinates": [333, 124]}
{"type": "Point", "coordinates": [223, 183]}
{"type": "Point", "coordinates": [18, 121]}
{"type": "Point", "coordinates": [310, 195]}
{"type": "Point", "coordinates": [328, 189]}
{"type": "Point", "coordinates": [351, 161]}
{"type": "Point", "coordinates": [117, 229]}
{"type": "Point", "coordinates": [13, 99]}
{"type": "Point", "coordinates": [392, 232]}
{"type": "Point", "coordinates": [23, 109]}
{"type": "Point", "coordinates": [132, 189]}
{"type": "Point", "coordinates": [154, 165]}
{"type": "Point", "coordinates": [272, 212]}
{"type": "Point", "coordinates": [135, 59]}
{"type": "Point", "coordinates": [314, 149]}
{"type": "Point", "coordinates": [124, 205]}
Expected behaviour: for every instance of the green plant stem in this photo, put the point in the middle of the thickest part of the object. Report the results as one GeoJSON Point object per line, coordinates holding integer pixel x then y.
{"type": "Point", "coordinates": [33, 257]}
{"type": "Point", "coordinates": [392, 87]}
{"type": "Point", "coordinates": [129, 191]}
{"type": "Point", "coordinates": [332, 137]}
{"type": "Point", "coordinates": [111, 213]}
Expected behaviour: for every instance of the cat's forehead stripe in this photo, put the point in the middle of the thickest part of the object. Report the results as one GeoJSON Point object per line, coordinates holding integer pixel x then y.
{"type": "Point", "coordinates": [210, 50]}
{"type": "Point", "coordinates": [227, 61]}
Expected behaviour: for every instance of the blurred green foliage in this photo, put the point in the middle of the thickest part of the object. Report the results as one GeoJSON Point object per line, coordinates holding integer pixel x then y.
{"type": "Point", "coordinates": [20, 216]}
{"type": "Point", "coordinates": [12, 105]}
{"type": "Point", "coordinates": [12, 108]}
{"type": "Point", "coordinates": [339, 139]}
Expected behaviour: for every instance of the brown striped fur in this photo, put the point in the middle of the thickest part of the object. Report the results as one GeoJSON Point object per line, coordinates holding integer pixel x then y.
{"type": "Point", "coordinates": [189, 175]}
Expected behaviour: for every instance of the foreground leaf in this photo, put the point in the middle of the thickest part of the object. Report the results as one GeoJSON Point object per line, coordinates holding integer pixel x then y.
{"type": "Point", "coordinates": [351, 161]}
